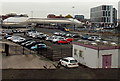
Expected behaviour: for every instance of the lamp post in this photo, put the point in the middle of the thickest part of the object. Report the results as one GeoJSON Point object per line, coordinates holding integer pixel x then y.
{"type": "Point", "coordinates": [31, 14]}
{"type": "Point", "coordinates": [73, 18]}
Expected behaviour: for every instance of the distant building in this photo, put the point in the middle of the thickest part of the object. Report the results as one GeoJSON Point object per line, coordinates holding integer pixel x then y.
{"type": "Point", "coordinates": [104, 15]}
{"type": "Point", "coordinates": [79, 17]}
{"type": "Point", "coordinates": [119, 12]}
{"type": "Point", "coordinates": [54, 16]}
{"type": "Point", "coordinates": [51, 16]}
{"type": "Point", "coordinates": [114, 16]}
{"type": "Point", "coordinates": [15, 22]}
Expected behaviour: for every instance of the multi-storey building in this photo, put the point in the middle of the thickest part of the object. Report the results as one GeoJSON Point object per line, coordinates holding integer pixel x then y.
{"type": "Point", "coordinates": [104, 15]}
{"type": "Point", "coordinates": [119, 12]}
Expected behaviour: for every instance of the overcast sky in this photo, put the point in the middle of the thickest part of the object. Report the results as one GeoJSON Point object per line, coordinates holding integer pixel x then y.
{"type": "Point", "coordinates": [41, 8]}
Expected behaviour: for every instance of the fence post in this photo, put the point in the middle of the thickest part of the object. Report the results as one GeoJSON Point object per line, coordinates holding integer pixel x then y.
{"type": "Point", "coordinates": [23, 50]}
{"type": "Point", "coordinates": [7, 49]}
{"type": "Point", "coordinates": [61, 53]}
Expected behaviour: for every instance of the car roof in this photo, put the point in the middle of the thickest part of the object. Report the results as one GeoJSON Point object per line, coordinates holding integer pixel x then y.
{"type": "Point", "coordinates": [69, 58]}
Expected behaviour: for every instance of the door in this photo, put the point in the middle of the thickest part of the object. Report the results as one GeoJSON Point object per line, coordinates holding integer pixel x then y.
{"type": "Point", "coordinates": [106, 61]}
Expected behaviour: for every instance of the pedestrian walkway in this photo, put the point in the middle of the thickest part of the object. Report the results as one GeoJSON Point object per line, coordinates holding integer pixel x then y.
{"type": "Point", "coordinates": [26, 62]}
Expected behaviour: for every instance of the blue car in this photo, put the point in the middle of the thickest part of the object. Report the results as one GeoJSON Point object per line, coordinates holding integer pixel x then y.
{"type": "Point", "coordinates": [38, 46]}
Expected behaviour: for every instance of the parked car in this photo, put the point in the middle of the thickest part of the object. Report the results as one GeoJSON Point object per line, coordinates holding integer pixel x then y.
{"type": "Point", "coordinates": [85, 37]}
{"type": "Point", "coordinates": [29, 43]}
{"type": "Point", "coordinates": [68, 35]}
{"type": "Point", "coordinates": [69, 62]}
{"type": "Point", "coordinates": [75, 36]}
{"type": "Point", "coordinates": [20, 39]}
{"type": "Point", "coordinates": [33, 44]}
{"type": "Point", "coordinates": [38, 46]}
{"type": "Point", "coordinates": [63, 42]}
{"type": "Point", "coordinates": [94, 38]}
{"type": "Point", "coordinates": [50, 38]}
{"type": "Point", "coordinates": [58, 38]}
{"type": "Point", "coordinates": [6, 36]}
{"type": "Point", "coordinates": [69, 39]}
{"type": "Point", "coordinates": [25, 42]}
{"type": "Point", "coordinates": [56, 33]}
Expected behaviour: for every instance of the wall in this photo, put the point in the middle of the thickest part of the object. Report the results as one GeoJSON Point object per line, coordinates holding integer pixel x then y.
{"type": "Point", "coordinates": [93, 59]}
{"type": "Point", "coordinates": [114, 53]}
{"type": "Point", "coordinates": [90, 56]}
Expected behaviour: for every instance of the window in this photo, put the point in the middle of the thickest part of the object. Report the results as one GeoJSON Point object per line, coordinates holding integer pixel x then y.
{"type": "Point", "coordinates": [80, 53]}
{"type": "Point", "coordinates": [75, 51]}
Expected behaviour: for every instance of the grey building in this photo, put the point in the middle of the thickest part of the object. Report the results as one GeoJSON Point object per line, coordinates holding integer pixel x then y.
{"type": "Point", "coordinates": [104, 15]}
{"type": "Point", "coordinates": [119, 11]}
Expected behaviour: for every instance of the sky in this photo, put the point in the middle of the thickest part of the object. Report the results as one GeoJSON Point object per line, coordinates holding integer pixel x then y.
{"type": "Point", "coordinates": [41, 8]}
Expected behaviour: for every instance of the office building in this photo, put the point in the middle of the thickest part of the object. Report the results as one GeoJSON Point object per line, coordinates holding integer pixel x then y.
{"type": "Point", "coordinates": [104, 16]}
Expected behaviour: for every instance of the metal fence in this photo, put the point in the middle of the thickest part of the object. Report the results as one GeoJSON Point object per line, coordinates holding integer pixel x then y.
{"type": "Point", "coordinates": [50, 53]}
{"type": "Point", "coordinates": [56, 54]}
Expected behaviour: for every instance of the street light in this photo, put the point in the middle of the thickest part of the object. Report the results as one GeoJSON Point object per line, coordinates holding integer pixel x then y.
{"type": "Point", "coordinates": [31, 14]}
{"type": "Point", "coordinates": [73, 18]}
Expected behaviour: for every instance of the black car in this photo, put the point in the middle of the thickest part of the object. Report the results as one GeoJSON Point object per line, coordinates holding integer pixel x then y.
{"type": "Point", "coordinates": [75, 36]}
{"type": "Point", "coordinates": [24, 41]}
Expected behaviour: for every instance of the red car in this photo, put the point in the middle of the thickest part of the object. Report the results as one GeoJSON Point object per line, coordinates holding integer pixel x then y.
{"type": "Point", "coordinates": [63, 42]}
{"type": "Point", "coordinates": [69, 39]}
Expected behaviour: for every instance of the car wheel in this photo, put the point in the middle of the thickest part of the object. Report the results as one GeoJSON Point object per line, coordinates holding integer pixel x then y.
{"type": "Point", "coordinates": [66, 66]}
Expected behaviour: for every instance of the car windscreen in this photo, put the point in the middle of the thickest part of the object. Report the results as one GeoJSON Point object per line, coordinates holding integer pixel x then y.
{"type": "Point", "coordinates": [73, 61]}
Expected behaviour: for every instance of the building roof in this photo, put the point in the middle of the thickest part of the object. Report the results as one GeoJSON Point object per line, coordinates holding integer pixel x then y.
{"type": "Point", "coordinates": [15, 19]}
{"type": "Point", "coordinates": [54, 20]}
{"type": "Point", "coordinates": [98, 46]}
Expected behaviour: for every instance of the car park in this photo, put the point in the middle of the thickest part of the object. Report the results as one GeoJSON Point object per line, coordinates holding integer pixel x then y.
{"type": "Point", "coordinates": [69, 62]}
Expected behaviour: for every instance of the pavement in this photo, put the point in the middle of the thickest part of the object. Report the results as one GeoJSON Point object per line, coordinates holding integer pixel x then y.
{"type": "Point", "coordinates": [29, 61]}
{"type": "Point", "coordinates": [26, 62]}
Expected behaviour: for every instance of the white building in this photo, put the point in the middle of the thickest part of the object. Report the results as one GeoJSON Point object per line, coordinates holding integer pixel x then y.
{"type": "Point", "coordinates": [23, 21]}
{"type": "Point", "coordinates": [104, 15]}
{"type": "Point", "coordinates": [94, 56]}
{"type": "Point", "coordinates": [15, 22]}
